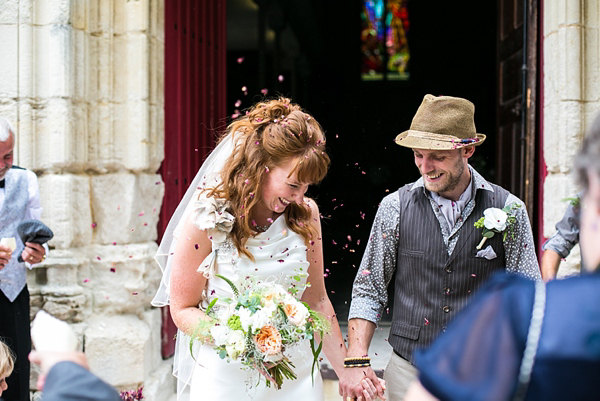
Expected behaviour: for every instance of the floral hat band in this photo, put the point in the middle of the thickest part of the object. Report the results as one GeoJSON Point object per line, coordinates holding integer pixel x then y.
{"type": "Point", "coordinates": [442, 123]}
{"type": "Point", "coordinates": [430, 136]}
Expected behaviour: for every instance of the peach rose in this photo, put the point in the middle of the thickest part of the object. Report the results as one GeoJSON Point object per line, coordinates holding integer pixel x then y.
{"type": "Point", "coordinates": [296, 313]}
{"type": "Point", "coordinates": [268, 340]}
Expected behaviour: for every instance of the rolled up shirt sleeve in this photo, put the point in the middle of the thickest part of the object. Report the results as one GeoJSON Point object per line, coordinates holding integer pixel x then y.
{"type": "Point", "coordinates": [519, 246]}
{"type": "Point", "coordinates": [369, 292]}
{"type": "Point", "coordinates": [567, 232]}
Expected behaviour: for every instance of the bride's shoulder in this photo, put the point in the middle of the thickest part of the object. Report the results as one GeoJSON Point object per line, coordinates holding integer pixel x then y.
{"type": "Point", "coordinates": [312, 206]}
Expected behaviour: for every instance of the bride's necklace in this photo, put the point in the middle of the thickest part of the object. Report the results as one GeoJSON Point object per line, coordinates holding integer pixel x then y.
{"type": "Point", "coordinates": [262, 229]}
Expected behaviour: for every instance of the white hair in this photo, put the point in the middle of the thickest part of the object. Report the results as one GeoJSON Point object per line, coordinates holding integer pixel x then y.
{"type": "Point", "coordinates": [5, 130]}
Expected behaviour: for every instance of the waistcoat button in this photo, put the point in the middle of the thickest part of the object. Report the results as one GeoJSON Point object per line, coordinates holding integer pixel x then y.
{"type": "Point", "coordinates": [447, 309]}
{"type": "Point", "coordinates": [448, 270]}
{"type": "Point", "coordinates": [447, 290]}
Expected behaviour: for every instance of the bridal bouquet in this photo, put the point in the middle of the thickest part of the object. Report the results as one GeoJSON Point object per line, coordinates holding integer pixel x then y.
{"type": "Point", "coordinates": [258, 325]}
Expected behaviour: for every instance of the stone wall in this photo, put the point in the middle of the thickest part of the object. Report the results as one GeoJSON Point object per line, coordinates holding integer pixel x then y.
{"type": "Point", "coordinates": [571, 100]}
{"type": "Point", "coordinates": [82, 82]}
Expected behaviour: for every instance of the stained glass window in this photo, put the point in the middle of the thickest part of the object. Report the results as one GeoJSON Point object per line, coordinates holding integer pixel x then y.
{"type": "Point", "coordinates": [384, 45]}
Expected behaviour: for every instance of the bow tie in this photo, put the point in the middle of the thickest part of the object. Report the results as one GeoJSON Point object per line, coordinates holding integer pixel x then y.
{"type": "Point", "coordinates": [1, 183]}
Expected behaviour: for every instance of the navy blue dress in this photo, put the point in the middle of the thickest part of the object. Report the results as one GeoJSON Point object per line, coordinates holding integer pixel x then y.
{"type": "Point", "coordinates": [479, 357]}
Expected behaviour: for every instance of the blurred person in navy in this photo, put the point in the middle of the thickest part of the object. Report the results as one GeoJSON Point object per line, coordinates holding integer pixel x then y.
{"type": "Point", "coordinates": [524, 340]}
{"type": "Point", "coordinates": [65, 377]}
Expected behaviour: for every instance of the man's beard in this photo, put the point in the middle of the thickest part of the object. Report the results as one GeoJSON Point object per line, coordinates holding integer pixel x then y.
{"type": "Point", "coordinates": [452, 180]}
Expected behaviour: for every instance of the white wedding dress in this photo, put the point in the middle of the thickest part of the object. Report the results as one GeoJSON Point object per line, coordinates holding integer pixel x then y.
{"type": "Point", "coordinates": [278, 252]}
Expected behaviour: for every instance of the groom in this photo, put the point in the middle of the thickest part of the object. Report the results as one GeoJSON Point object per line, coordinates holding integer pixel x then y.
{"type": "Point", "coordinates": [424, 239]}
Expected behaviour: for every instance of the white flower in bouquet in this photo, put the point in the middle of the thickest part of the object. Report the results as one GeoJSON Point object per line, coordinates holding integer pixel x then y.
{"type": "Point", "coordinates": [495, 219]}
{"type": "Point", "coordinates": [295, 311]}
{"type": "Point", "coordinates": [236, 343]}
{"type": "Point", "coordinates": [246, 318]}
{"type": "Point", "coordinates": [272, 295]}
{"type": "Point", "coordinates": [219, 334]}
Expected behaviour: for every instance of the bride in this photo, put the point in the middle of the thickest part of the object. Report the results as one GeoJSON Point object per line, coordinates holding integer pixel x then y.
{"type": "Point", "coordinates": [245, 214]}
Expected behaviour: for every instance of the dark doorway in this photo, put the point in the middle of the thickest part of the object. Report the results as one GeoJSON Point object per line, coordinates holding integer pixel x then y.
{"type": "Point", "coordinates": [315, 47]}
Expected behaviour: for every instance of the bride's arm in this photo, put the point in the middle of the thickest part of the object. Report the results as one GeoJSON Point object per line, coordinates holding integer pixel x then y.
{"type": "Point", "coordinates": [316, 297]}
{"type": "Point", "coordinates": [187, 284]}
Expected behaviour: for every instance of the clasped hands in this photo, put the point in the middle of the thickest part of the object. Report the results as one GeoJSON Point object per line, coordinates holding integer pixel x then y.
{"type": "Point", "coordinates": [361, 384]}
{"type": "Point", "coordinates": [33, 253]}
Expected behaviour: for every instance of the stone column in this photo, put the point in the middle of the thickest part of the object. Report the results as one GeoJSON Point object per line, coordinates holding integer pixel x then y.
{"type": "Point", "coordinates": [571, 100]}
{"type": "Point", "coordinates": [82, 82]}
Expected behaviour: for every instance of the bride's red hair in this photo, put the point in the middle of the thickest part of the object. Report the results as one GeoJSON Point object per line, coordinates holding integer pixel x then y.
{"type": "Point", "coordinates": [269, 134]}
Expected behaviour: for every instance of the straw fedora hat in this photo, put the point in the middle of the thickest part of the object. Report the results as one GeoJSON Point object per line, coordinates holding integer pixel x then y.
{"type": "Point", "coordinates": [442, 123]}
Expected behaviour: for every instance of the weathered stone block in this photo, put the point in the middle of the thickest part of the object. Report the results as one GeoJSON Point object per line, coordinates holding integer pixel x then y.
{"type": "Point", "coordinates": [131, 16]}
{"type": "Point", "coordinates": [121, 279]}
{"type": "Point", "coordinates": [161, 384]}
{"type": "Point", "coordinates": [104, 11]}
{"type": "Point", "coordinates": [119, 349]}
{"type": "Point", "coordinates": [102, 144]}
{"type": "Point", "coordinates": [133, 126]}
{"type": "Point", "coordinates": [69, 308]}
{"type": "Point", "coordinates": [25, 11]}
{"type": "Point", "coordinates": [53, 56]}
{"type": "Point", "coordinates": [572, 13]}
{"type": "Point", "coordinates": [24, 136]}
{"type": "Point", "coordinates": [9, 12]}
{"type": "Point", "coordinates": [131, 69]}
{"type": "Point", "coordinates": [157, 137]}
{"type": "Point", "coordinates": [153, 318]}
{"type": "Point", "coordinates": [10, 61]}
{"type": "Point", "coordinates": [52, 128]}
{"type": "Point", "coordinates": [591, 53]}
{"type": "Point", "coordinates": [62, 276]}
{"type": "Point", "coordinates": [103, 54]}
{"type": "Point", "coordinates": [80, 14]}
{"type": "Point", "coordinates": [81, 63]}
{"type": "Point", "coordinates": [26, 61]}
{"type": "Point", "coordinates": [126, 207]}
{"type": "Point", "coordinates": [562, 135]}
{"type": "Point", "coordinates": [52, 12]}
{"type": "Point", "coordinates": [571, 58]}
{"type": "Point", "coordinates": [551, 67]}
{"type": "Point", "coordinates": [160, 27]}
{"type": "Point", "coordinates": [551, 17]}
{"type": "Point", "coordinates": [66, 203]}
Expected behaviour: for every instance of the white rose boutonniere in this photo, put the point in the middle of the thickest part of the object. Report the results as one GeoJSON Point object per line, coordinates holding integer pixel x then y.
{"type": "Point", "coordinates": [496, 220]}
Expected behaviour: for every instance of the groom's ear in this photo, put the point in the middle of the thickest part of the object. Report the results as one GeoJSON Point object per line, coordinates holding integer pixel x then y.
{"type": "Point", "coordinates": [467, 151]}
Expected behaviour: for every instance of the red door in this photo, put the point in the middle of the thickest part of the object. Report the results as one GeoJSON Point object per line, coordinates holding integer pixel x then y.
{"type": "Point", "coordinates": [195, 108]}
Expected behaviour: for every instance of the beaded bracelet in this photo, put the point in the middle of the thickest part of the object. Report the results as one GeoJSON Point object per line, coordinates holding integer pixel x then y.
{"type": "Point", "coordinates": [357, 362]}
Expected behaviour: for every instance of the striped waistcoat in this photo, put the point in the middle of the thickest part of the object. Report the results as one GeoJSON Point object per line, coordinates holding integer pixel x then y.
{"type": "Point", "coordinates": [430, 285]}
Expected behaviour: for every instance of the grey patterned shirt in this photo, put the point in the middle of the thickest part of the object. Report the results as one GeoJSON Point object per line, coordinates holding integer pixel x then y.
{"type": "Point", "coordinates": [369, 293]}
{"type": "Point", "coordinates": [567, 230]}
